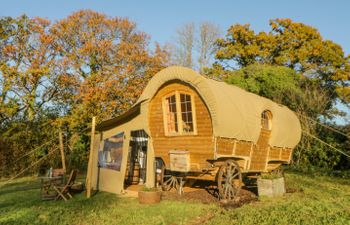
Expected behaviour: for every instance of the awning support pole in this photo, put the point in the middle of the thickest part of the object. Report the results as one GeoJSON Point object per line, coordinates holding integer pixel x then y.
{"type": "Point", "coordinates": [89, 172]}
{"type": "Point", "coordinates": [60, 136]}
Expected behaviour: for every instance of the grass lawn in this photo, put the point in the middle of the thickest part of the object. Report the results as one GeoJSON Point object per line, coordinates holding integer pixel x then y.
{"type": "Point", "coordinates": [323, 200]}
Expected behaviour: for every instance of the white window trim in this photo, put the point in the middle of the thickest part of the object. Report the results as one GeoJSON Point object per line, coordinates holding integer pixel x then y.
{"type": "Point", "coordinates": [179, 114]}
{"type": "Point", "coordinates": [269, 119]}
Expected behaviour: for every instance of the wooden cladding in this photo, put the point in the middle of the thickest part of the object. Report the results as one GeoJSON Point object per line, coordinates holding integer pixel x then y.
{"type": "Point", "coordinates": [199, 143]}
{"type": "Point", "coordinates": [233, 147]}
{"type": "Point", "coordinates": [244, 148]}
{"type": "Point", "coordinates": [261, 151]}
{"type": "Point", "coordinates": [280, 154]}
{"type": "Point", "coordinates": [257, 156]}
{"type": "Point", "coordinates": [225, 146]}
{"type": "Point", "coordinates": [176, 105]}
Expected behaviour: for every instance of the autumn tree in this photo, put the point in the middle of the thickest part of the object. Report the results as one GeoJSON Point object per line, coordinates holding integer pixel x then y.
{"type": "Point", "coordinates": [27, 59]}
{"type": "Point", "coordinates": [105, 63]}
{"type": "Point", "coordinates": [28, 85]}
{"type": "Point", "coordinates": [291, 44]}
{"type": "Point", "coordinates": [57, 76]}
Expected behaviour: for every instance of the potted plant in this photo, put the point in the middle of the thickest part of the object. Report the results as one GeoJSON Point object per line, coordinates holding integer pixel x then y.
{"type": "Point", "coordinates": [271, 184]}
{"type": "Point", "coordinates": [149, 195]}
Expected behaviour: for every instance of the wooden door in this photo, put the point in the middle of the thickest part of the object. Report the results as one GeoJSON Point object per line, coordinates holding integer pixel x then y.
{"type": "Point", "coordinates": [261, 150]}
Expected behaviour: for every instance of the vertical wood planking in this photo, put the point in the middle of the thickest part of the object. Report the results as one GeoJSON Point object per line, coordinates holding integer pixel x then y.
{"type": "Point", "coordinates": [200, 145]}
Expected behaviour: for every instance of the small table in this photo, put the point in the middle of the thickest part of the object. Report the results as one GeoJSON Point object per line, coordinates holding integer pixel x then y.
{"type": "Point", "coordinates": [47, 192]}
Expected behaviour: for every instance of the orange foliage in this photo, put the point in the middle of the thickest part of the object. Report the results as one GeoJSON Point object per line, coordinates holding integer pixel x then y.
{"type": "Point", "coordinates": [292, 44]}
{"type": "Point", "coordinates": [105, 63]}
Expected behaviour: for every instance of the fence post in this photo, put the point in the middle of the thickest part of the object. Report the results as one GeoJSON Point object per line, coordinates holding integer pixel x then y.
{"type": "Point", "coordinates": [62, 151]}
{"type": "Point", "coordinates": [89, 172]}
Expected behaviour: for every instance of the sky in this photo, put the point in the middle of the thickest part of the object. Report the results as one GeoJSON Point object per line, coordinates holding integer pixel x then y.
{"type": "Point", "coordinates": [160, 18]}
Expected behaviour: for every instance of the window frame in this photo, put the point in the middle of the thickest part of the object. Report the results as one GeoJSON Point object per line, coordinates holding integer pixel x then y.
{"type": "Point", "coordinates": [180, 132]}
{"type": "Point", "coordinates": [105, 150]}
{"type": "Point", "coordinates": [268, 115]}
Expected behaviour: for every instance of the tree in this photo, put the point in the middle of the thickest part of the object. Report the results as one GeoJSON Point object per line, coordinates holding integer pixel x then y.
{"type": "Point", "coordinates": [104, 64]}
{"type": "Point", "coordinates": [195, 48]}
{"type": "Point", "coordinates": [208, 35]}
{"type": "Point", "coordinates": [27, 88]}
{"type": "Point", "coordinates": [285, 86]}
{"type": "Point", "coordinates": [57, 76]}
{"type": "Point", "coordinates": [294, 45]}
{"type": "Point", "coordinates": [185, 37]}
{"type": "Point", "coordinates": [27, 58]}
{"type": "Point", "coordinates": [305, 96]}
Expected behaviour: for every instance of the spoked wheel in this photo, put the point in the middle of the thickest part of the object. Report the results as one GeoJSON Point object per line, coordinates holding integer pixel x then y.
{"type": "Point", "coordinates": [168, 181]}
{"type": "Point", "coordinates": [229, 180]}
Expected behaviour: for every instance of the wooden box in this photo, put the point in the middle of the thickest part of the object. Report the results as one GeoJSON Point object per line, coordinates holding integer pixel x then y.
{"type": "Point", "coordinates": [179, 160]}
{"type": "Point", "coordinates": [271, 187]}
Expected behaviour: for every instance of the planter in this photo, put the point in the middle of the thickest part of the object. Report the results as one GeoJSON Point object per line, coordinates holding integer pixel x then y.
{"type": "Point", "coordinates": [271, 187]}
{"type": "Point", "coordinates": [149, 197]}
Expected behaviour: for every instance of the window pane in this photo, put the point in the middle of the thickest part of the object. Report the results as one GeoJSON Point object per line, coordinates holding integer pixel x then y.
{"type": "Point", "coordinates": [189, 106]}
{"type": "Point", "coordinates": [182, 97]}
{"type": "Point", "coordinates": [186, 113]}
{"type": "Point", "coordinates": [183, 107]}
{"type": "Point", "coordinates": [171, 119]}
{"type": "Point", "coordinates": [266, 120]}
{"type": "Point", "coordinates": [110, 157]}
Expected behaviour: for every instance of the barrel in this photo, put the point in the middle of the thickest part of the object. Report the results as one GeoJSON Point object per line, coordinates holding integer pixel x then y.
{"type": "Point", "coordinates": [136, 174]}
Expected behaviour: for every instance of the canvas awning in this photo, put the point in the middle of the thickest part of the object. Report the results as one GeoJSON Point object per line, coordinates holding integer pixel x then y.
{"type": "Point", "coordinates": [123, 118]}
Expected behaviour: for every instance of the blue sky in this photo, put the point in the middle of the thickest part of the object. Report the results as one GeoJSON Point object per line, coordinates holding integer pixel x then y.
{"type": "Point", "coordinates": [161, 18]}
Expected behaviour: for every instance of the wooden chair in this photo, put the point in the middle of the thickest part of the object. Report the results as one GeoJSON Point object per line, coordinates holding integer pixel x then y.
{"type": "Point", "coordinates": [55, 178]}
{"type": "Point", "coordinates": [58, 172]}
{"type": "Point", "coordinates": [63, 191]}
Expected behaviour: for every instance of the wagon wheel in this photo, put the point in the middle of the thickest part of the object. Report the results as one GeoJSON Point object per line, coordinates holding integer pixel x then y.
{"type": "Point", "coordinates": [229, 180]}
{"type": "Point", "coordinates": [168, 181]}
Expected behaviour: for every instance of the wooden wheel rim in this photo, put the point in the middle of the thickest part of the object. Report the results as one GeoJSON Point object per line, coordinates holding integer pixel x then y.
{"type": "Point", "coordinates": [229, 172]}
{"type": "Point", "coordinates": [167, 182]}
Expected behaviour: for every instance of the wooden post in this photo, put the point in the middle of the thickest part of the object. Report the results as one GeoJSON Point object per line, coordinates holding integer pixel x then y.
{"type": "Point", "coordinates": [62, 152]}
{"type": "Point", "coordinates": [89, 172]}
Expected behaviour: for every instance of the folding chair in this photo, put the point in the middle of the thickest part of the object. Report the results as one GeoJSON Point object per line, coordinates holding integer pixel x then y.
{"type": "Point", "coordinates": [54, 177]}
{"type": "Point", "coordinates": [63, 191]}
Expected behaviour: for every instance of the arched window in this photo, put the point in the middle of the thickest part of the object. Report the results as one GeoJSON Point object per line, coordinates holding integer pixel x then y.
{"type": "Point", "coordinates": [266, 120]}
{"type": "Point", "coordinates": [179, 113]}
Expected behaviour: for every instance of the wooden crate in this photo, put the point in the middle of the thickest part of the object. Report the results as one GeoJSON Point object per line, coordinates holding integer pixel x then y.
{"type": "Point", "coordinates": [179, 160]}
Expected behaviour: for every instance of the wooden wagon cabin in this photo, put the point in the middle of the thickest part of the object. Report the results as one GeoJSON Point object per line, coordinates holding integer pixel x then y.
{"type": "Point", "coordinates": [186, 126]}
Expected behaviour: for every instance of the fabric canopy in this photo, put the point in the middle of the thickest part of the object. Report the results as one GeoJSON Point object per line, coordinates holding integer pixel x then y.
{"type": "Point", "coordinates": [235, 112]}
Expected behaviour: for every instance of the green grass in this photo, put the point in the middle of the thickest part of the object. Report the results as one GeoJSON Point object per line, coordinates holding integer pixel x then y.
{"type": "Point", "coordinates": [323, 200]}
{"type": "Point", "coordinates": [20, 204]}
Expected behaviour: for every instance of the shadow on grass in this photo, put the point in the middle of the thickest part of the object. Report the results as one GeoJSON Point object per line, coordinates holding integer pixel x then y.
{"type": "Point", "coordinates": [19, 186]}
{"type": "Point", "coordinates": [20, 203]}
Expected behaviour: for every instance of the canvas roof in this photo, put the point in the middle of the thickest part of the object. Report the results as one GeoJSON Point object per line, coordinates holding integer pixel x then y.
{"type": "Point", "coordinates": [235, 112]}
